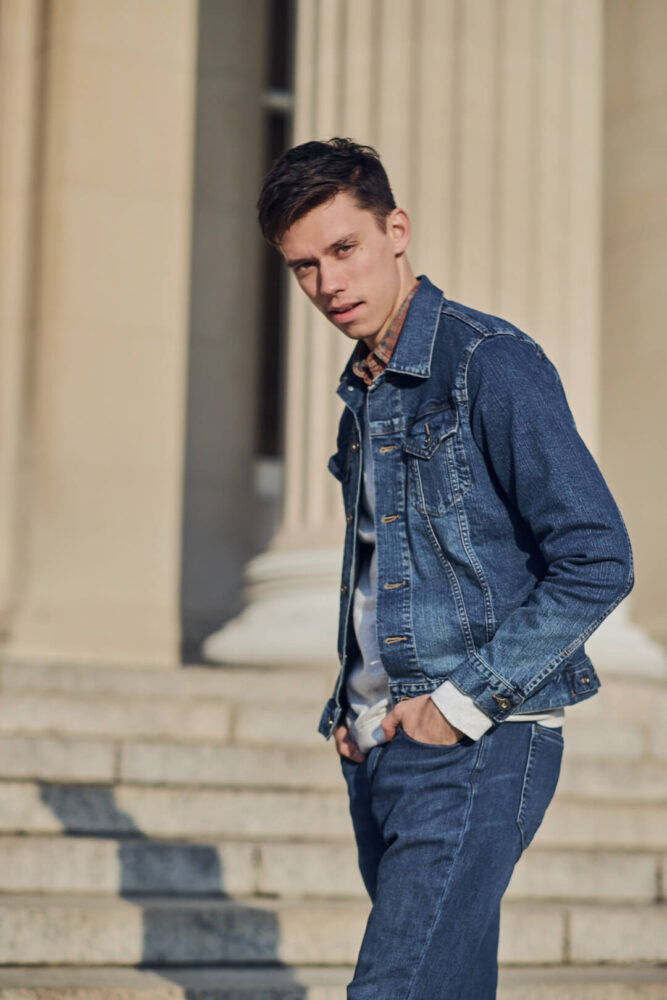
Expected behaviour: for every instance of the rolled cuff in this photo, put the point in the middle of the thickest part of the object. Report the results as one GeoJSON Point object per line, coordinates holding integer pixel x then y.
{"type": "Point", "coordinates": [461, 711]}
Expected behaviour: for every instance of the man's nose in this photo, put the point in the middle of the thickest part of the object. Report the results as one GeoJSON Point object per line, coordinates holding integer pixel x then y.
{"type": "Point", "coordinates": [331, 278]}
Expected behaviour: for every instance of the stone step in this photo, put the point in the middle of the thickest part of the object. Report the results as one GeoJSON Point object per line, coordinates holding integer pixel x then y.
{"type": "Point", "coordinates": [260, 725]}
{"type": "Point", "coordinates": [233, 766]}
{"type": "Point", "coordinates": [29, 807]}
{"type": "Point", "coordinates": [204, 720]}
{"type": "Point", "coordinates": [61, 930]}
{"type": "Point", "coordinates": [162, 761]}
{"type": "Point", "coordinates": [124, 809]}
{"type": "Point", "coordinates": [25, 713]}
{"type": "Point", "coordinates": [242, 684]}
{"type": "Point", "coordinates": [621, 699]}
{"type": "Point", "coordinates": [299, 983]}
{"type": "Point", "coordinates": [57, 758]}
{"type": "Point", "coordinates": [626, 721]}
{"type": "Point", "coordinates": [167, 762]}
{"type": "Point", "coordinates": [79, 865]}
{"type": "Point", "coordinates": [639, 781]}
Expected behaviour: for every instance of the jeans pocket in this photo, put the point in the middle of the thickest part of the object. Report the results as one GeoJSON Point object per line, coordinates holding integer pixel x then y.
{"type": "Point", "coordinates": [463, 741]}
{"type": "Point", "coordinates": [539, 780]}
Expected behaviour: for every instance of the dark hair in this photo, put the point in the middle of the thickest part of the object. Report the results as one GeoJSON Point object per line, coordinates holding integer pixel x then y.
{"type": "Point", "coordinates": [314, 172]}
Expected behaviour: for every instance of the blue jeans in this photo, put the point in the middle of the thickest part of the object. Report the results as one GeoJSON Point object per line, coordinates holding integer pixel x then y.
{"type": "Point", "coordinates": [439, 830]}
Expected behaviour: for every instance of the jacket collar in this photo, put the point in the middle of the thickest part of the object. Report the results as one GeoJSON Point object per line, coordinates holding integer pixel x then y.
{"type": "Point", "coordinates": [413, 352]}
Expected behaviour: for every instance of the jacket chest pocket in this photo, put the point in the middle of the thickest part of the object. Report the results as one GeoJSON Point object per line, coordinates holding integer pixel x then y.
{"type": "Point", "coordinates": [437, 470]}
{"type": "Point", "coordinates": [338, 466]}
{"type": "Point", "coordinates": [339, 463]}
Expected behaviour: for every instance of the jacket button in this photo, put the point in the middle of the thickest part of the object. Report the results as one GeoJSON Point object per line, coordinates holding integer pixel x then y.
{"type": "Point", "coordinates": [355, 446]}
{"type": "Point", "coordinates": [350, 518]}
{"type": "Point", "coordinates": [503, 703]}
{"type": "Point", "coordinates": [585, 679]}
{"type": "Point", "coordinates": [343, 588]}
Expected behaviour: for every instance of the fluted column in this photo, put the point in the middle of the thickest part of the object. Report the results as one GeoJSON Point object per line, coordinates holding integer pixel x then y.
{"type": "Point", "coordinates": [101, 425]}
{"type": "Point", "coordinates": [488, 119]}
{"type": "Point", "coordinates": [21, 72]}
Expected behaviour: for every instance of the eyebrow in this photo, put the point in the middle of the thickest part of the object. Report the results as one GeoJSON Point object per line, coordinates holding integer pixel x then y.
{"type": "Point", "coordinates": [333, 246]}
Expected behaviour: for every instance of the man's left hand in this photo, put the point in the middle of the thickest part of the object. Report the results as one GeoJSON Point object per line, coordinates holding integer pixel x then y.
{"type": "Point", "coordinates": [421, 719]}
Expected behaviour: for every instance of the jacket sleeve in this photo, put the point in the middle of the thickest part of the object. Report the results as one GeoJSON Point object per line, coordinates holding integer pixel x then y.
{"type": "Point", "coordinates": [521, 422]}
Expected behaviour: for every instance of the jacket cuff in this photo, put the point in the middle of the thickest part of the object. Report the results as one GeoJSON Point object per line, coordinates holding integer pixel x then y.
{"type": "Point", "coordinates": [492, 694]}
{"type": "Point", "coordinates": [461, 711]}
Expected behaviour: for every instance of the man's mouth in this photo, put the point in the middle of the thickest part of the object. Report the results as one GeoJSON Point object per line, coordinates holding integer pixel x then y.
{"type": "Point", "coordinates": [344, 312]}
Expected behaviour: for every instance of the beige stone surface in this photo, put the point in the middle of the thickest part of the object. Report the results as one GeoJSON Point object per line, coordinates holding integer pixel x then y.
{"type": "Point", "coordinates": [234, 683]}
{"type": "Point", "coordinates": [116, 717]}
{"type": "Point", "coordinates": [605, 934]}
{"type": "Point", "coordinates": [530, 934]}
{"type": "Point", "coordinates": [262, 725]}
{"type": "Point", "coordinates": [581, 875]}
{"type": "Point", "coordinates": [613, 779]}
{"type": "Point", "coordinates": [121, 867]}
{"type": "Point", "coordinates": [21, 69]}
{"type": "Point", "coordinates": [174, 812]}
{"type": "Point", "coordinates": [54, 759]}
{"type": "Point", "coordinates": [109, 299]}
{"type": "Point", "coordinates": [308, 983]}
{"type": "Point", "coordinates": [230, 766]}
{"type": "Point", "coordinates": [543, 983]}
{"type": "Point", "coordinates": [591, 739]}
{"type": "Point", "coordinates": [634, 358]}
{"type": "Point", "coordinates": [604, 824]}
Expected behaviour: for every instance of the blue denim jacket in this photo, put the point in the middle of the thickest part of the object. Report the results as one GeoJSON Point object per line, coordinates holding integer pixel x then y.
{"type": "Point", "coordinates": [499, 546]}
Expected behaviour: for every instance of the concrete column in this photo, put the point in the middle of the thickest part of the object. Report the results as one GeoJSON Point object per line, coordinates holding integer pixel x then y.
{"type": "Point", "coordinates": [220, 512]}
{"type": "Point", "coordinates": [488, 118]}
{"type": "Point", "coordinates": [111, 295]}
{"type": "Point", "coordinates": [635, 291]}
{"type": "Point", "coordinates": [21, 93]}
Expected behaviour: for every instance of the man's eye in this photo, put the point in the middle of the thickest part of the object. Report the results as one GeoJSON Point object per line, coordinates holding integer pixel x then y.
{"type": "Point", "coordinates": [345, 248]}
{"type": "Point", "coordinates": [302, 268]}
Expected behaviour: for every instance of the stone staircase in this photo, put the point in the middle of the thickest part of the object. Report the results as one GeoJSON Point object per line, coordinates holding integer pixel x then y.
{"type": "Point", "coordinates": [185, 834]}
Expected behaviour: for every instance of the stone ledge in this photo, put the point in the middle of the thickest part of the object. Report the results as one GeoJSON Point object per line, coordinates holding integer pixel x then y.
{"type": "Point", "coordinates": [163, 931]}
{"type": "Point", "coordinates": [565, 982]}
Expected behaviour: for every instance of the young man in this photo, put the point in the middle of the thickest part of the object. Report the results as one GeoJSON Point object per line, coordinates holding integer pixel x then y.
{"type": "Point", "coordinates": [483, 547]}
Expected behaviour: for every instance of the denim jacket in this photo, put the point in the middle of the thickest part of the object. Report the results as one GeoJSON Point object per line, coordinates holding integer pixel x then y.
{"type": "Point", "coordinates": [499, 546]}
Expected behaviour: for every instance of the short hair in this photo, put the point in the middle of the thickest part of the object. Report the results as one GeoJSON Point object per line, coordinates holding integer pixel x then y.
{"type": "Point", "coordinates": [315, 172]}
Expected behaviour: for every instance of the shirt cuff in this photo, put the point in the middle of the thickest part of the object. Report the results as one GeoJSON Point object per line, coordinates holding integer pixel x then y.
{"type": "Point", "coordinates": [461, 711]}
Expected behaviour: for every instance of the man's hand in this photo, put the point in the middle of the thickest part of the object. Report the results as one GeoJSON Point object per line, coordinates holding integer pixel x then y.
{"type": "Point", "coordinates": [422, 720]}
{"type": "Point", "coordinates": [346, 746]}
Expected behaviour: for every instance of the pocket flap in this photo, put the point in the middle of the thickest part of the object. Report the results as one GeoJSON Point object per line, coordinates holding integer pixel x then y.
{"type": "Point", "coordinates": [336, 467]}
{"type": "Point", "coordinates": [428, 431]}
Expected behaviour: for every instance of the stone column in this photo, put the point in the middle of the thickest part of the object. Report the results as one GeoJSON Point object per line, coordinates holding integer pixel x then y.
{"type": "Point", "coordinates": [21, 93]}
{"type": "Point", "coordinates": [109, 290]}
{"type": "Point", "coordinates": [488, 118]}
{"type": "Point", "coordinates": [635, 290]}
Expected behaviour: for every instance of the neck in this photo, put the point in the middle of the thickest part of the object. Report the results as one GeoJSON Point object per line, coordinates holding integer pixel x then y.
{"type": "Point", "coordinates": [407, 281]}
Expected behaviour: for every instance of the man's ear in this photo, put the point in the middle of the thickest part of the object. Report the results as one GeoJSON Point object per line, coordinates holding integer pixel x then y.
{"type": "Point", "coordinates": [398, 225]}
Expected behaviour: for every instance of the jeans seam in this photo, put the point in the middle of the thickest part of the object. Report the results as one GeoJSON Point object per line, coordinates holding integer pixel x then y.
{"type": "Point", "coordinates": [459, 848]}
{"type": "Point", "coordinates": [525, 786]}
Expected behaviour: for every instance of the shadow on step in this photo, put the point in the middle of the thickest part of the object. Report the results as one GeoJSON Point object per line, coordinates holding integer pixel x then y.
{"type": "Point", "coordinates": [187, 919]}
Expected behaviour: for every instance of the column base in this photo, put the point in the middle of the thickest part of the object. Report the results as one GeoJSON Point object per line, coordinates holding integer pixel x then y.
{"type": "Point", "coordinates": [95, 635]}
{"type": "Point", "coordinates": [291, 614]}
{"type": "Point", "coordinates": [622, 649]}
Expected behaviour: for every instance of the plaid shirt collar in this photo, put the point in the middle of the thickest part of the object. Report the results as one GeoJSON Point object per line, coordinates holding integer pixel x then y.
{"type": "Point", "coordinates": [366, 364]}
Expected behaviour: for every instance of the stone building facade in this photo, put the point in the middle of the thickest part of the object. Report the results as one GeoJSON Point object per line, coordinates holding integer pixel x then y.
{"type": "Point", "coordinates": [142, 371]}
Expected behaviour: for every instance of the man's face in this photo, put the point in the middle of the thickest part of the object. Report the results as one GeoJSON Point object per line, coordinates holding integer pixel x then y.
{"type": "Point", "coordinates": [348, 267]}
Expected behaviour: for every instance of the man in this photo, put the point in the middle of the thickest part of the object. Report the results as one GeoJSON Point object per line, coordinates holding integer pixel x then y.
{"type": "Point", "coordinates": [482, 548]}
